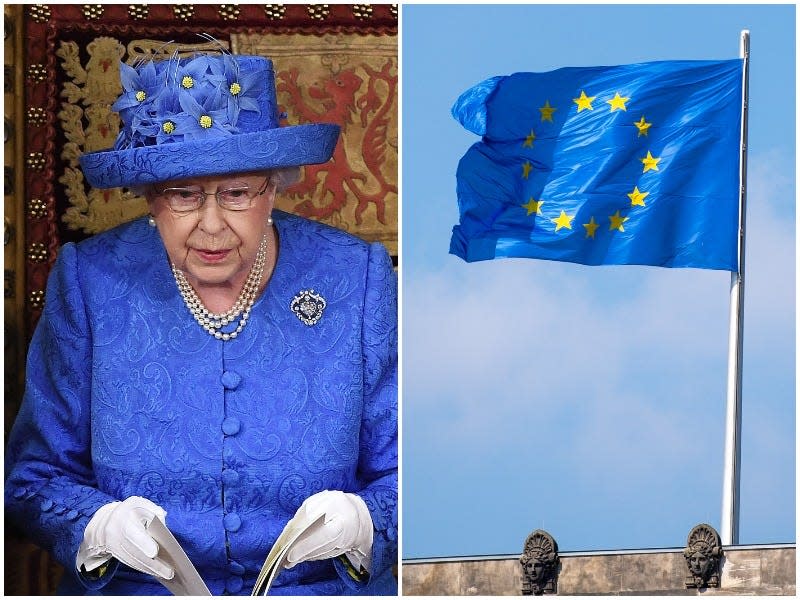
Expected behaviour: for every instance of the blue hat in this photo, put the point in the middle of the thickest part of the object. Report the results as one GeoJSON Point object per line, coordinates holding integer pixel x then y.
{"type": "Point", "coordinates": [202, 115]}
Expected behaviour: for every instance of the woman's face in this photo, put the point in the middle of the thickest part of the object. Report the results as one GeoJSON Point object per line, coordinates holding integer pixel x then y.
{"type": "Point", "coordinates": [214, 246]}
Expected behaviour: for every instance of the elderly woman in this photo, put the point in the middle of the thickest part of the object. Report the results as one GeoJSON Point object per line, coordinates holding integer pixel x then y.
{"type": "Point", "coordinates": [219, 365]}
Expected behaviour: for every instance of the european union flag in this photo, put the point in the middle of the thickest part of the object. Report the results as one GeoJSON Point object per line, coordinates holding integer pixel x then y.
{"type": "Point", "coordinates": [630, 164]}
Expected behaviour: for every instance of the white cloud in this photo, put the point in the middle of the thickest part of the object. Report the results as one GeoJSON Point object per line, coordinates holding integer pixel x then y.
{"type": "Point", "coordinates": [510, 343]}
{"type": "Point", "coordinates": [770, 267]}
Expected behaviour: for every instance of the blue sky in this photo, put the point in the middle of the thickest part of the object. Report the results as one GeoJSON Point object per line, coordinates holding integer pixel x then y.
{"type": "Point", "coordinates": [588, 401]}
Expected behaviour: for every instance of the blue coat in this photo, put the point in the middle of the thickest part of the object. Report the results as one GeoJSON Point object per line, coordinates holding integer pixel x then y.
{"type": "Point", "coordinates": [127, 395]}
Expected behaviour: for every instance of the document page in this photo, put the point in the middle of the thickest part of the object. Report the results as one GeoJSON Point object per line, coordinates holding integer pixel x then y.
{"type": "Point", "coordinates": [298, 525]}
{"type": "Point", "coordinates": [187, 581]}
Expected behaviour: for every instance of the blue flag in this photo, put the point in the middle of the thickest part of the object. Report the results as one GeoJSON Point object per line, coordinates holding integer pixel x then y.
{"type": "Point", "coordinates": [630, 164]}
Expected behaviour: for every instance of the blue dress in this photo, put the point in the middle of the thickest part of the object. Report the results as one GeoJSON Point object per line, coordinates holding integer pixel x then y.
{"type": "Point", "coordinates": [127, 395]}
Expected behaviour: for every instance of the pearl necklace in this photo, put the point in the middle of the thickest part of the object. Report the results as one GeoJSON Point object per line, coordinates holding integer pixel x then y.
{"type": "Point", "coordinates": [213, 322]}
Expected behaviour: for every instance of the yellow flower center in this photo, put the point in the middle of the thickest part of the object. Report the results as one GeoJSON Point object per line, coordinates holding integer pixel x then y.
{"type": "Point", "coordinates": [205, 121]}
{"type": "Point", "coordinates": [141, 95]}
{"type": "Point", "coordinates": [168, 127]}
{"type": "Point", "coordinates": [235, 88]}
{"type": "Point", "coordinates": [187, 82]}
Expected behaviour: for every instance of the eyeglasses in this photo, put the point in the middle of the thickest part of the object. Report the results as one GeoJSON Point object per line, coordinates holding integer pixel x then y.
{"type": "Point", "coordinates": [184, 200]}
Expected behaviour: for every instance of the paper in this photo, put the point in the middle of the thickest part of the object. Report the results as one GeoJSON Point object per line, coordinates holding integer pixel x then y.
{"type": "Point", "coordinates": [276, 558]}
{"type": "Point", "coordinates": [187, 581]}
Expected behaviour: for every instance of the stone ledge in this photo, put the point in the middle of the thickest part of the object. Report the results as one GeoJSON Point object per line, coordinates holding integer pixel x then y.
{"type": "Point", "coordinates": [746, 570]}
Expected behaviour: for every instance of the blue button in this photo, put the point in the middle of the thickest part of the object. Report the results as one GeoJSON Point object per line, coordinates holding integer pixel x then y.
{"type": "Point", "coordinates": [231, 380]}
{"type": "Point", "coordinates": [231, 426]}
{"type": "Point", "coordinates": [234, 585]}
{"type": "Point", "coordinates": [47, 504]}
{"type": "Point", "coordinates": [232, 522]}
{"type": "Point", "coordinates": [236, 568]}
{"type": "Point", "coordinates": [60, 509]}
{"type": "Point", "coordinates": [230, 477]}
{"type": "Point", "coordinates": [72, 515]}
{"type": "Point", "coordinates": [20, 492]}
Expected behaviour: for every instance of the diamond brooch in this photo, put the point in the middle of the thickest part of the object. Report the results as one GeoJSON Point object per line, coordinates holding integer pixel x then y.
{"type": "Point", "coordinates": [308, 306]}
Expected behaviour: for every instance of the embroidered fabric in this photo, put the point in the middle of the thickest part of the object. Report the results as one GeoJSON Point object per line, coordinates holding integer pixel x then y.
{"type": "Point", "coordinates": [274, 148]}
{"type": "Point", "coordinates": [127, 396]}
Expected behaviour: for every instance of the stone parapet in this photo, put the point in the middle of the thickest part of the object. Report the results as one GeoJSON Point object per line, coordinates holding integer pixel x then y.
{"type": "Point", "coordinates": [746, 570]}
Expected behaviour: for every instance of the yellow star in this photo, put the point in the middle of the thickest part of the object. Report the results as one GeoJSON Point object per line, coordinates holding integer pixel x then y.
{"type": "Point", "coordinates": [637, 197]}
{"type": "Point", "coordinates": [526, 169]}
{"type": "Point", "coordinates": [563, 221]}
{"type": "Point", "coordinates": [618, 102]}
{"type": "Point", "coordinates": [617, 221]}
{"type": "Point", "coordinates": [547, 111]}
{"type": "Point", "coordinates": [650, 162]}
{"type": "Point", "coordinates": [591, 227]}
{"type": "Point", "coordinates": [584, 101]}
{"type": "Point", "coordinates": [533, 206]}
{"type": "Point", "coordinates": [529, 140]}
{"type": "Point", "coordinates": [642, 126]}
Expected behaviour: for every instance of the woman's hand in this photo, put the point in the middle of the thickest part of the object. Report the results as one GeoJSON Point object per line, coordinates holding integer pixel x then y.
{"type": "Point", "coordinates": [346, 529]}
{"type": "Point", "coordinates": [119, 529]}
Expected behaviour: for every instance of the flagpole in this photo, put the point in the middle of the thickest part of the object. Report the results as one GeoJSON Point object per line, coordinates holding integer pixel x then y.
{"type": "Point", "coordinates": [729, 531]}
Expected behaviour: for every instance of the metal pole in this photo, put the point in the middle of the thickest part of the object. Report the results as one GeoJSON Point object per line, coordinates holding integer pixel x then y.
{"type": "Point", "coordinates": [729, 531]}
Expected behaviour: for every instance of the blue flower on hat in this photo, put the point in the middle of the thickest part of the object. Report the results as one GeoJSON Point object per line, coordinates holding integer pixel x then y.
{"type": "Point", "coordinates": [191, 77]}
{"type": "Point", "coordinates": [144, 126]}
{"type": "Point", "coordinates": [139, 130]}
{"type": "Point", "coordinates": [240, 90]}
{"type": "Point", "coordinates": [149, 131]}
{"type": "Point", "coordinates": [168, 107]}
{"type": "Point", "coordinates": [200, 121]}
{"type": "Point", "coordinates": [139, 90]}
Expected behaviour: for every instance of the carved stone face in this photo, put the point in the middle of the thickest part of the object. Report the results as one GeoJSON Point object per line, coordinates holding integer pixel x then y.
{"type": "Point", "coordinates": [536, 569]}
{"type": "Point", "coordinates": [700, 564]}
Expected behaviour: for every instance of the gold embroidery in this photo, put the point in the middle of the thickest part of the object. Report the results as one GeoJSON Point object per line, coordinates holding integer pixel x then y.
{"type": "Point", "coordinates": [95, 127]}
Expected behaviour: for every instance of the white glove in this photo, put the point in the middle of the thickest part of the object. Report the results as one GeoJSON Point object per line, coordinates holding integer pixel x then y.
{"type": "Point", "coordinates": [118, 529]}
{"type": "Point", "coordinates": [346, 529]}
